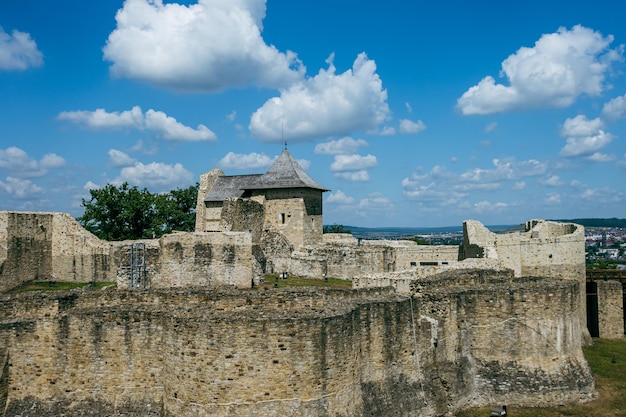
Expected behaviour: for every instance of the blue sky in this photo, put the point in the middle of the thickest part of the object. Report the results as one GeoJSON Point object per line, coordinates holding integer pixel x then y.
{"type": "Point", "coordinates": [412, 113]}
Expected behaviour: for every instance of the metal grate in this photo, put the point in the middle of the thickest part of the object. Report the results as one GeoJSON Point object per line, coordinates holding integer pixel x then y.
{"type": "Point", "coordinates": [137, 266]}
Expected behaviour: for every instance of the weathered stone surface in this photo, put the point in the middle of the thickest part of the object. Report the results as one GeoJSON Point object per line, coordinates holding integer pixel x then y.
{"type": "Point", "coordinates": [610, 309]}
{"type": "Point", "coordinates": [466, 338]}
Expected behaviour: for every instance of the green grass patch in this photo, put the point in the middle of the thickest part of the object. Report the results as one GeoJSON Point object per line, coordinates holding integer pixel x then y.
{"type": "Point", "coordinates": [271, 281]}
{"type": "Point", "coordinates": [57, 286]}
{"type": "Point", "coordinates": [607, 359]}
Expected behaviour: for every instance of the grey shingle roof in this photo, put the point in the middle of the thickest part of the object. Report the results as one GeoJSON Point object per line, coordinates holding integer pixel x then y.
{"type": "Point", "coordinates": [285, 172]}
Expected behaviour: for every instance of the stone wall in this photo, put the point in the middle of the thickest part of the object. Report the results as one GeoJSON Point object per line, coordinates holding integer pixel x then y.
{"type": "Point", "coordinates": [49, 246]}
{"type": "Point", "coordinates": [206, 219]}
{"type": "Point", "coordinates": [610, 309]}
{"type": "Point", "coordinates": [54, 247]}
{"type": "Point", "coordinates": [305, 352]}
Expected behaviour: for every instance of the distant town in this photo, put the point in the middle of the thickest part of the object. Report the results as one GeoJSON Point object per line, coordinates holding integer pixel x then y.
{"type": "Point", "coordinates": [605, 239]}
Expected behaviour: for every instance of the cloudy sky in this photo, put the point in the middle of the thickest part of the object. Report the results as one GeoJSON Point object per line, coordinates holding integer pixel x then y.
{"type": "Point", "coordinates": [413, 113]}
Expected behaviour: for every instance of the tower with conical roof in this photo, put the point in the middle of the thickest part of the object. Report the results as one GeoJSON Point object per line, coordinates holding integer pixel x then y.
{"type": "Point", "coordinates": [291, 200]}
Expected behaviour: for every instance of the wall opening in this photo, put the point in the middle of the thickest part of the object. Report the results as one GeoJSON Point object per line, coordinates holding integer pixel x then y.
{"type": "Point", "coordinates": [282, 218]}
{"type": "Point", "coordinates": [592, 309]}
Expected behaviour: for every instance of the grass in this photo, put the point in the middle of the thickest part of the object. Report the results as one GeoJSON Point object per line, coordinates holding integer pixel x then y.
{"type": "Point", "coordinates": [610, 383]}
{"type": "Point", "coordinates": [56, 286]}
{"type": "Point", "coordinates": [271, 281]}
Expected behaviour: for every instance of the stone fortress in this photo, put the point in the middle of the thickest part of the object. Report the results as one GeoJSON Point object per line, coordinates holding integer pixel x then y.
{"type": "Point", "coordinates": [425, 331]}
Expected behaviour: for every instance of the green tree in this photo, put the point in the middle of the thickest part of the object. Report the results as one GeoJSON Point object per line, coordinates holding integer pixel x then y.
{"type": "Point", "coordinates": [124, 212]}
{"type": "Point", "coordinates": [335, 228]}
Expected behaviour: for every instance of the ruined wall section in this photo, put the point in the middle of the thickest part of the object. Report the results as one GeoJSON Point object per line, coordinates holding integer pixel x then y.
{"type": "Point", "coordinates": [610, 309]}
{"type": "Point", "coordinates": [243, 215]}
{"type": "Point", "coordinates": [50, 247]}
{"type": "Point", "coordinates": [192, 259]}
{"type": "Point", "coordinates": [520, 336]}
{"type": "Point", "coordinates": [295, 352]}
{"type": "Point", "coordinates": [343, 256]}
{"type": "Point", "coordinates": [207, 219]}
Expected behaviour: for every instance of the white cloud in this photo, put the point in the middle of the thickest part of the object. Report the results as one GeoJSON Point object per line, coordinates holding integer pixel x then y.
{"type": "Point", "coordinates": [615, 109]}
{"type": "Point", "coordinates": [354, 176]}
{"type": "Point", "coordinates": [486, 207]}
{"type": "Point", "coordinates": [409, 126]}
{"type": "Point", "coordinates": [324, 105]}
{"type": "Point", "coordinates": [339, 197]}
{"type": "Point", "coordinates": [600, 157]}
{"type": "Point", "coordinates": [342, 146]}
{"type": "Point", "coordinates": [164, 126]}
{"type": "Point", "coordinates": [376, 202]}
{"type": "Point", "coordinates": [387, 131]}
{"type": "Point", "coordinates": [17, 162]}
{"type": "Point", "coordinates": [581, 126]}
{"type": "Point", "coordinates": [560, 67]}
{"type": "Point", "coordinates": [552, 199]}
{"type": "Point", "coordinates": [90, 185]}
{"type": "Point", "coordinates": [20, 188]}
{"type": "Point", "coordinates": [552, 181]}
{"type": "Point", "coordinates": [120, 159]}
{"type": "Point", "coordinates": [353, 162]}
{"type": "Point", "coordinates": [207, 46]}
{"type": "Point", "coordinates": [156, 176]}
{"type": "Point", "coordinates": [304, 163]}
{"type": "Point", "coordinates": [244, 161]}
{"type": "Point", "coordinates": [441, 187]}
{"type": "Point", "coordinates": [491, 127]}
{"type": "Point", "coordinates": [585, 145]}
{"type": "Point", "coordinates": [18, 51]}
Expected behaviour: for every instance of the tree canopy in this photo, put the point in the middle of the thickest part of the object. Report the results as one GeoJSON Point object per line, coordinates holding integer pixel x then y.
{"type": "Point", "coordinates": [124, 212]}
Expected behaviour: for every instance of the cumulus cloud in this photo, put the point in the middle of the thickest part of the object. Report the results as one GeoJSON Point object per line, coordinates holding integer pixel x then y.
{"type": "Point", "coordinates": [120, 159]}
{"type": "Point", "coordinates": [164, 126]}
{"type": "Point", "coordinates": [353, 162]}
{"type": "Point", "coordinates": [488, 207]}
{"type": "Point", "coordinates": [615, 109]}
{"type": "Point", "coordinates": [339, 197]}
{"type": "Point", "coordinates": [584, 137]}
{"type": "Point", "coordinates": [552, 181]}
{"type": "Point", "coordinates": [244, 161]}
{"type": "Point", "coordinates": [600, 157]}
{"type": "Point", "coordinates": [342, 146]}
{"type": "Point", "coordinates": [441, 187]}
{"type": "Point", "coordinates": [17, 162]}
{"type": "Point", "coordinates": [552, 199]}
{"type": "Point", "coordinates": [206, 46]}
{"type": "Point", "coordinates": [553, 73]}
{"type": "Point", "coordinates": [411, 127]}
{"type": "Point", "coordinates": [326, 104]}
{"type": "Point", "coordinates": [156, 176]}
{"type": "Point", "coordinates": [18, 51]}
{"type": "Point", "coordinates": [376, 202]}
{"type": "Point", "coordinates": [20, 188]}
{"type": "Point", "coordinates": [354, 176]}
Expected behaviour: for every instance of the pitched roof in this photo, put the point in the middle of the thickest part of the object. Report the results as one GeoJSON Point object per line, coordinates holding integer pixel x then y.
{"type": "Point", "coordinates": [229, 186]}
{"type": "Point", "coordinates": [285, 172]}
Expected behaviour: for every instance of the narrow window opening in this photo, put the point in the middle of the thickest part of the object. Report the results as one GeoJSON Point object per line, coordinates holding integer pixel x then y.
{"type": "Point", "coordinates": [282, 218]}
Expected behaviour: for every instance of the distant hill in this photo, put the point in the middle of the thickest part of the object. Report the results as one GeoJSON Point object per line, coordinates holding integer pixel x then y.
{"type": "Point", "coordinates": [402, 232]}
{"type": "Point", "coordinates": [614, 222]}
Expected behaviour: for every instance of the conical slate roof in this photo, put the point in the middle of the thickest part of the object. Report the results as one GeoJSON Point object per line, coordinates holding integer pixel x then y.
{"type": "Point", "coordinates": [285, 172]}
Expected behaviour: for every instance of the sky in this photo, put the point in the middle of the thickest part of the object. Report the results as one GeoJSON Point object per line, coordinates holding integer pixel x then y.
{"type": "Point", "coordinates": [413, 113]}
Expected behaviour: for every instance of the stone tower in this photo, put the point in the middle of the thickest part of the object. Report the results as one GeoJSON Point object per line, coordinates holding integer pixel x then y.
{"type": "Point", "coordinates": [289, 202]}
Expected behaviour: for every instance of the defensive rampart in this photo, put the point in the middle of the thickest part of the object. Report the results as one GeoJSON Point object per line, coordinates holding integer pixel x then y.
{"type": "Point", "coordinates": [464, 339]}
{"type": "Point", "coordinates": [54, 247]}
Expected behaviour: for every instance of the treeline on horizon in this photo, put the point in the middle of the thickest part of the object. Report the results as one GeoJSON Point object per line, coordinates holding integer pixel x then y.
{"type": "Point", "coordinates": [612, 222]}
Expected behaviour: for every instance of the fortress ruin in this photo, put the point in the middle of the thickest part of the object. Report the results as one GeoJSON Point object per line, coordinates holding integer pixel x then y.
{"type": "Point", "coordinates": [426, 330]}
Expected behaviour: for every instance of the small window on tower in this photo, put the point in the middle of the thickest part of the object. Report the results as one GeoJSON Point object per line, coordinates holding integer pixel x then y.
{"type": "Point", "coordinates": [282, 218]}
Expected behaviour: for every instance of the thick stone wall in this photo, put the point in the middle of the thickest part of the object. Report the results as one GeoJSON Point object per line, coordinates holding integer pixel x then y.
{"type": "Point", "coordinates": [207, 219]}
{"type": "Point", "coordinates": [471, 338]}
{"type": "Point", "coordinates": [54, 247]}
{"type": "Point", "coordinates": [49, 246]}
{"type": "Point", "coordinates": [610, 309]}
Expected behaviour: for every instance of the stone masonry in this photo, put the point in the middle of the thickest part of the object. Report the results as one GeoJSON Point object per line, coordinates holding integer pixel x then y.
{"type": "Point", "coordinates": [468, 338]}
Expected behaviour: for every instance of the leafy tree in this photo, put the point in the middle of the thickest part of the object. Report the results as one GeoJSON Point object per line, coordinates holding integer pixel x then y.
{"type": "Point", "coordinates": [124, 212]}
{"type": "Point", "coordinates": [335, 228]}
